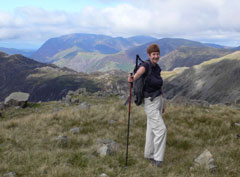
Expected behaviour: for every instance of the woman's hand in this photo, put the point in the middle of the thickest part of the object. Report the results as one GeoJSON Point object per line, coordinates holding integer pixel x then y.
{"type": "Point", "coordinates": [130, 78]}
{"type": "Point", "coordinates": [140, 71]}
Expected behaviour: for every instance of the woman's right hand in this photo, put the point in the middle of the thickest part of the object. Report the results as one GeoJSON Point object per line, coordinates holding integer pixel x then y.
{"type": "Point", "coordinates": [130, 78]}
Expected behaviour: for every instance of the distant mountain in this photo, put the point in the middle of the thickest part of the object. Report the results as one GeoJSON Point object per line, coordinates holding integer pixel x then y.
{"type": "Point", "coordinates": [81, 52]}
{"type": "Point", "coordinates": [188, 56]}
{"type": "Point", "coordinates": [12, 51]}
{"type": "Point", "coordinates": [216, 80]}
{"type": "Point", "coordinates": [124, 60]}
{"type": "Point", "coordinates": [216, 46]}
{"type": "Point", "coordinates": [236, 48]}
{"type": "Point", "coordinates": [77, 60]}
{"type": "Point", "coordinates": [166, 46]}
{"type": "Point", "coordinates": [86, 43]}
{"type": "Point", "coordinates": [141, 39]}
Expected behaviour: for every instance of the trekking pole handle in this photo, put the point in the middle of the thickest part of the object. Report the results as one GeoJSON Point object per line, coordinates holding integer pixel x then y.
{"type": "Point", "coordinates": [131, 75]}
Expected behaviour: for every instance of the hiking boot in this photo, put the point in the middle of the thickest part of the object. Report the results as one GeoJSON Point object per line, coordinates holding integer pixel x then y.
{"type": "Point", "coordinates": [151, 160]}
{"type": "Point", "coordinates": [158, 163]}
{"type": "Point", "coordinates": [155, 162]}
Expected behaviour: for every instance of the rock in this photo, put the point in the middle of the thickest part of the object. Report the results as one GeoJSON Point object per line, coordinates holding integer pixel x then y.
{"type": "Point", "coordinates": [61, 140]}
{"type": "Point", "coordinates": [68, 100]}
{"type": "Point", "coordinates": [106, 147]}
{"type": "Point", "coordinates": [17, 99]}
{"type": "Point", "coordinates": [75, 100]}
{"type": "Point", "coordinates": [205, 159]}
{"type": "Point", "coordinates": [112, 122]}
{"type": "Point", "coordinates": [70, 92]}
{"type": "Point", "coordinates": [103, 175]}
{"type": "Point", "coordinates": [237, 101]}
{"type": "Point", "coordinates": [84, 105]}
{"type": "Point", "coordinates": [81, 91]}
{"type": "Point", "coordinates": [103, 150]}
{"type": "Point", "coordinates": [75, 130]}
{"type": "Point", "coordinates": [227, 103]}
{"type": "Point", "coordinates": [11, 174]}
{"type": "Point", "coordinates": [237, 124]}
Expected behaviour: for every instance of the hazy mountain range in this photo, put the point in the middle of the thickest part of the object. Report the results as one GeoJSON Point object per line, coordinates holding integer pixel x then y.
{"type": "Point", "coordinates": [90, 52]}
{"type": "Point", "coordinates": [12, 51]}
{"type": "Point", "coordinates": [86, 43]}
{"type": "Point", "coordinates": [195, 70]}
{"type": "Point", "coordinates": [188, 56]}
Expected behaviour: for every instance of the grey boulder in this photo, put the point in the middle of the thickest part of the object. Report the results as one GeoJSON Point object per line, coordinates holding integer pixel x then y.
{"type": "Point", "coordinates": [17, 99]}
{"type": "Point", "coordinates": [106, 147]}
{"type": "Point", "coordinates": [75, 130]}
{"type": "Point", "coordinates": [206, 160]}
{"type": "Point", "coordinates": [11, 174]}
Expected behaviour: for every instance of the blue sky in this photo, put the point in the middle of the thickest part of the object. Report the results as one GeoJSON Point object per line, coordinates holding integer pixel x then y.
{"type": "Point", "coordinates": [66, 5]}
{"type": "Point", "coordinates": [28, 24]}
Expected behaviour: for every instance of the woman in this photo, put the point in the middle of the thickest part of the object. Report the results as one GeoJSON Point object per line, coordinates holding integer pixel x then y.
{"type": "Point", "coordinates": [156, 133]}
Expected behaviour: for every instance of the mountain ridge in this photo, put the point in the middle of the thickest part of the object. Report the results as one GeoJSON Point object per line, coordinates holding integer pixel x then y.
{"type": "Point", "coordinates": [87, 42]}
{"type": "Point", "coordinates": [215, 81]}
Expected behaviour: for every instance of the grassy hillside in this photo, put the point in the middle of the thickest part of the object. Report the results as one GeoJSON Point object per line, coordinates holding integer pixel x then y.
{"type": "Point", "coordinates": [12, 51]}
{"type": "Point", "coordinates": [77, 60]}
{"type": "Point", "coordinates": [168, 74]}
{"type": "Point", "coordinates": [80, 61]}
{"type": "Point", "coordinates": [27, 147]}
{"type": "Point", "coordinates": [216, 80]}
{"type": "Point", "coordinates": [189, 56]}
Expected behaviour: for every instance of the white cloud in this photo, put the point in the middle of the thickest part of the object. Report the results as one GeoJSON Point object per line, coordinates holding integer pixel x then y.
{"type": "Point", "coordinates": [197, 20]}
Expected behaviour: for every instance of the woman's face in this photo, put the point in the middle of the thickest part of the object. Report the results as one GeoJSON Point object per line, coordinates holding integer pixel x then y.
{"type": "Point", "coordinates": [154, 57]}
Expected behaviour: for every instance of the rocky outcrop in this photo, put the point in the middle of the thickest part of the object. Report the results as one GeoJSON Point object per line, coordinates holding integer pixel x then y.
{"type": "Point", "coordinates": [11, 174]}
{"type": "Point", "coordinates": [237, 124]}
{"type": "Point", "coordinates": [17, 99]}
{"type": "Point", "coordinates": [75, 130]}
{"type": "Point", "coordinates": [206, 160]}
{"type": "Point", "coordinates": [72, 97]}
{"type": "Point", "coordinates": [61, 141]}
{"type": "Point", "coordinates": [106, 147]}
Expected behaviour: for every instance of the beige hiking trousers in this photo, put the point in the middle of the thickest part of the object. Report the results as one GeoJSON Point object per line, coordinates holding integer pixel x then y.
{"type": "Point", "coordinates": [156, 133]}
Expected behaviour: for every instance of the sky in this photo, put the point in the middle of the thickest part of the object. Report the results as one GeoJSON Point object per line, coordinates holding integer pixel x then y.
{"type": "Point", "coordinates": [29, 23]}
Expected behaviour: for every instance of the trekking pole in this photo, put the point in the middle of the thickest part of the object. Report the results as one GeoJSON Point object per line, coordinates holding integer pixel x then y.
{"type": "Point", "coordinates": [129, 110]}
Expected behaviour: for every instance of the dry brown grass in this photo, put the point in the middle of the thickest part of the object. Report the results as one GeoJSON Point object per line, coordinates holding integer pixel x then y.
{"type": "Point", "coordinates": [27, 146]}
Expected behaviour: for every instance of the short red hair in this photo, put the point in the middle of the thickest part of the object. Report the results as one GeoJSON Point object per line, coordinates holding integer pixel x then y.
{"type": "Point", "coordinates": [153, 48]}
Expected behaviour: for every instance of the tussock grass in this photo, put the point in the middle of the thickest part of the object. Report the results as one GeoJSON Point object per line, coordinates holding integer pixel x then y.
{"type": "Point", "coordinates": [27, 144]}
